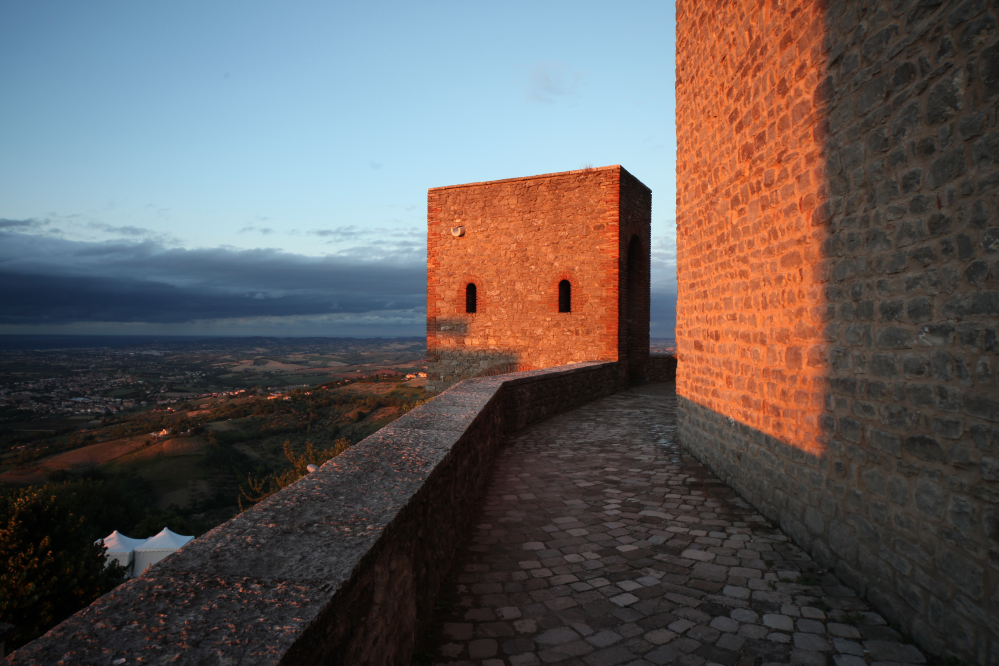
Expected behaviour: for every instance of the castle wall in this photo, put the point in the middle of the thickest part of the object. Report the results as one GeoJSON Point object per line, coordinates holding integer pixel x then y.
{"type": "Point", "coordinates": [340, 567]}
{"type": "Point", "coordinates": [837, 267]}
{"type": "Point", "coordinates": [523, 236]}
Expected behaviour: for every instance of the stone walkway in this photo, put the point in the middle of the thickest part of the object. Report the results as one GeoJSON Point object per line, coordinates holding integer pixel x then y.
{"type": "Point", "coordinates": [602, 542]}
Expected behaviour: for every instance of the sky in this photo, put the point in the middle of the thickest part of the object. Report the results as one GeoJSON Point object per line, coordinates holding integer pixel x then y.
{"type": "Point", "coordinates": [250, 168]}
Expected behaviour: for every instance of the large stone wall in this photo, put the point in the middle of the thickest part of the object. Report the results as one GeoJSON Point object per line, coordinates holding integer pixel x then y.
{"type": "Point", "coordinates": [836, 325]}
{"type": "Point", "coordinates": [523, 236]}
{"type": "Point", "coordinates": [342, 566]}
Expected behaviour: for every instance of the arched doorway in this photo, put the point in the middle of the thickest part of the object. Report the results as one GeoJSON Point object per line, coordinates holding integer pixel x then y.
{"type": "Point", "coordinates": [637, 312]}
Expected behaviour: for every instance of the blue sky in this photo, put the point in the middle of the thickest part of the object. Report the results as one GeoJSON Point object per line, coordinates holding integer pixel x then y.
{"type": "Point", "coordinates": [262, 168]}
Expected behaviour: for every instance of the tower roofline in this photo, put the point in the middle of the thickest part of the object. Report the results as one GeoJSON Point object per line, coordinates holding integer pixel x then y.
{"type": "Point", "coordinates": [610, 167]}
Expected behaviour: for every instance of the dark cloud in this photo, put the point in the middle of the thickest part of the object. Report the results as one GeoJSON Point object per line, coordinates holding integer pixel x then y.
{"type": "Point", "coordinates": [31, 224]}
{"type": "Point", "coordinates": [53, 281]}
{"type": "Point", "coordinates": [47, 299]}
{"type": "Point", "coordinates": [16, 224]}
{"type": "Point", "coordinates": [46, 280]}
{"type": "Point", "coordinates": [662, 313]}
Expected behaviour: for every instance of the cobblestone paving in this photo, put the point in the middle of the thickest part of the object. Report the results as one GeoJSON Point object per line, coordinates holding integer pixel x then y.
{"type": "Point", "coordinates": [602, 542]}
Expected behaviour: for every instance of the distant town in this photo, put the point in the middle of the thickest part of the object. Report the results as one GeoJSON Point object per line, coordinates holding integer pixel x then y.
{"type": "Point", "coordinates": [55, 392]}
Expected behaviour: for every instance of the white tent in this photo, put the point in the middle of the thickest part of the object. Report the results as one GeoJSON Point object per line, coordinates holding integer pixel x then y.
{"type": "Point", "coordinates": [156, 548]}
{"type": "Point", "coordinates": [120, 548]}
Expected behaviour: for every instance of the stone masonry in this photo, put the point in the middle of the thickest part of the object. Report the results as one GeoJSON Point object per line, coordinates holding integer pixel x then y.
{"type": "Point", "coordinates": [340, 567]}
{"type": "Point", "coordinates": [602, 542]}
{"type": "Point", "coordinates": [837, 260]}
{"type": "Point", "coordinates": [519, 238]}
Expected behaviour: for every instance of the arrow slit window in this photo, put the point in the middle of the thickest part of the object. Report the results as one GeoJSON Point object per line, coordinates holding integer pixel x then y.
{"type": "Point", "coordinates": [564, 296]}
{"type": "Point", "coordinates": [470, 298]}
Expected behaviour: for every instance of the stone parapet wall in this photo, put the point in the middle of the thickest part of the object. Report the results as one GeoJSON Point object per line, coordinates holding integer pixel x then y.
{"type": "Point", "coordinates": [662, 369]}
{"type": "Point", "coordinates": [837, 262]}
{"type": "Point", "coordinates": [342, 566]}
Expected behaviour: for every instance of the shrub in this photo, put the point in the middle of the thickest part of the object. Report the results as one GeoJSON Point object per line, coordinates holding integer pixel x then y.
{"type": "Point", "coordinates": [259, 488]}
{"type": "Point", "coordinates": [50, 566]}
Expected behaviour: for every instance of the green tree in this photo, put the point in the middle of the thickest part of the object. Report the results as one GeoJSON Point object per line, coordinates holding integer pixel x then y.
{"type": "Point", "coordinates": [107, 502]}
{"type": "Point", "coordinates": [49, 565]}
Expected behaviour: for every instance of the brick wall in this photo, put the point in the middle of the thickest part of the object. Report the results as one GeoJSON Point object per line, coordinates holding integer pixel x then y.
{"type": "Point", "coordinates": [836, 323]}
{"type": "Point", "coordinates": [522, 237]}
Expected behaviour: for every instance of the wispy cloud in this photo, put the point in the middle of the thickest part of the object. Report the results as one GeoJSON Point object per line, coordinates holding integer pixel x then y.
{"type": "Point", "coordinates": [409, 208]}
{"type": "Point", "coordinates": [339, 234]}
{"type": "Point", "coordinates": [84, 227]}
{"type": "Point", "coordinates": [32, 225]}
{"type": "Point", "coordinates": [379, 240]}
{"type": "Point", "coordinates": [134, 232]}
{"type": "Point", "coordinates": [552, 82]}
{"type": "Point", "coordinates": [265, 231]}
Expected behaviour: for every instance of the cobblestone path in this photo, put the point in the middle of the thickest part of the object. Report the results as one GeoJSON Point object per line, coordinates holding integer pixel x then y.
{"type": "Point", "coordinates": [603, 542]}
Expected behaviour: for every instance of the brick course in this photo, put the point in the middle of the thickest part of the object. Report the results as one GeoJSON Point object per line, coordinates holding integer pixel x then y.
{"type": "Point", "coordinates": [522, 237]}
{"type": "Point", "coordinates": [836, 323]}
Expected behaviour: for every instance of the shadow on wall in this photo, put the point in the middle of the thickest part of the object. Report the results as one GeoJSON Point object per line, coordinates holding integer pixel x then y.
{"type": "Point", "coordinates": [465, 363]}
{"type": "Point", "coordinates": [837, 290]}
{"type": "Point", "coordinates": [449, 327]}
{"type": "Point", "coordinates": [447, 366]}
{"type": "Point", "coordinates": [856, 540]}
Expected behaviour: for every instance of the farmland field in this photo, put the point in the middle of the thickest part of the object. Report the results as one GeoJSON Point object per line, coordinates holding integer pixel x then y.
{"type": "Point", "coordinates": [222, 415]}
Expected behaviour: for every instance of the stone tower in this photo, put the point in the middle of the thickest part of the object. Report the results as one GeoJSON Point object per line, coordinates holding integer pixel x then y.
{"type": "Point", "coordinates": [837, 240]}
{"type": "Point", "coordinates": [535, 272]}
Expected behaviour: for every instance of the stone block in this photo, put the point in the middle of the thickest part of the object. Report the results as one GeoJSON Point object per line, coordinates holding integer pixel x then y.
{"type": "Point", "coordinates": [929, 499]}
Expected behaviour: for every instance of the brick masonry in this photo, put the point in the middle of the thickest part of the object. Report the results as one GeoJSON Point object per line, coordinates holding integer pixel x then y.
{"type": "Point", "coordinates": [523, 236]}
{"type": "Point", "coordinates": [837, 260]}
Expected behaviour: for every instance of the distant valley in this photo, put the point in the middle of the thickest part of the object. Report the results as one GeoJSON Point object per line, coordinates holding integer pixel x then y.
{"type": "Point", "coordinates": [182, 424]}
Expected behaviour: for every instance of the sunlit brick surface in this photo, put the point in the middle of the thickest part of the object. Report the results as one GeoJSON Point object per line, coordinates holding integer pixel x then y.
{"type": "Point", "coordinates": [521, 237]}
{"type": "Point", "coordinates": [750, 175]}
{"type": "Point", "coordinates": [837, 243]}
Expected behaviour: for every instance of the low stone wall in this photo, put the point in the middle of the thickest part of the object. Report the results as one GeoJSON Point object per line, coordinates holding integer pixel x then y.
{"type": "Point", "coordinates": [662, 369]}
{"type": "Point", "coordinates": [340, 567]}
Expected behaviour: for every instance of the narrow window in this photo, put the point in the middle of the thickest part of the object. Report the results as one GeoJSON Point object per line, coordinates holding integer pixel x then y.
{"type": "Point", "coordinates": [564, 296]}
{"type": "Point", "coordinates": [470, 301]}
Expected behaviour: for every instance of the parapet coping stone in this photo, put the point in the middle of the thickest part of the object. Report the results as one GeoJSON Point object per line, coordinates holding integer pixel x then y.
{"type": "Point", "coordinates": [248, 589]}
